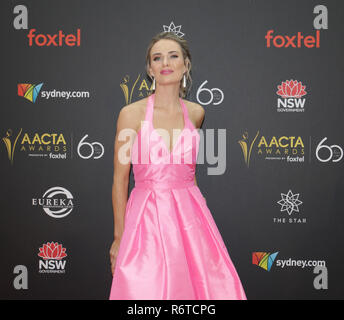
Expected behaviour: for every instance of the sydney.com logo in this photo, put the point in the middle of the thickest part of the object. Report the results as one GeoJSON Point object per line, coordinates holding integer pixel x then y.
{"type": "Point", "coordinates": [266, 260]}
{"type": "Point", "coordinates": [31, 92]}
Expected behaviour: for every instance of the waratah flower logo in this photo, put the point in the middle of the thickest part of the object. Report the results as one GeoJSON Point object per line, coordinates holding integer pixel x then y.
{"type": "Point", "coordinates": [52, 251]}
{"type": "Point", "coordinates": [291, 89]}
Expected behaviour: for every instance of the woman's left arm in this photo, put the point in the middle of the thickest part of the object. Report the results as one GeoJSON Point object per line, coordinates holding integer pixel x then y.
{"type": "Point", "coordinates": [198, 114]}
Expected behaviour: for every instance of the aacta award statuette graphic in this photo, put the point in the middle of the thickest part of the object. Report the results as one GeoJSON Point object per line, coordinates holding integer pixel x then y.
{"type": "Point", "coordinates": [10, 146]}
{"type": "Point", "coordinates": [244, 146]}
{"type": "Point", "coordinates": [125, 88]}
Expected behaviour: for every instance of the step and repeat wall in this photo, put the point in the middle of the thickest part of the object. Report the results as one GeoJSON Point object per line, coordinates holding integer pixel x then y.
{"type": "Point", "coordinates": [269, 75]}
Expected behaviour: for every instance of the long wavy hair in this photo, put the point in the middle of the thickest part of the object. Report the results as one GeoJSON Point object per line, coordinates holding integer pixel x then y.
{"type": "Point", "coordinates": [186, 55]}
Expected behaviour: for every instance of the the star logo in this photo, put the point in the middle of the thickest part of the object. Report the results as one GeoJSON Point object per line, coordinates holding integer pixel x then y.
{"type": "Point", "coordinates": [174, 29]}
{"type": "Point", "coordinates": [290, 202]}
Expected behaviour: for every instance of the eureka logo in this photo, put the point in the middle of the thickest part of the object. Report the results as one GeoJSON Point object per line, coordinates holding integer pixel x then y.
{"type": "Point", "coordinates": [263, 259]}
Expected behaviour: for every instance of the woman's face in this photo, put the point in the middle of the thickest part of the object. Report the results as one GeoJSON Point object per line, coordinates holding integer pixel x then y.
{"type": "Point", "coordinates": [166, 55]}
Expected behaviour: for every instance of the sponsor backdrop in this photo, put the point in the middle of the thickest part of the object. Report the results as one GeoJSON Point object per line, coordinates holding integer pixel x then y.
{"type": "Point", "coordinates": [269, 75]}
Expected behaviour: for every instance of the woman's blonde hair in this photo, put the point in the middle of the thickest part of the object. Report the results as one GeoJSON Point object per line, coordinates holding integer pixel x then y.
{"type": "Point", "coordinates": [186, 55]}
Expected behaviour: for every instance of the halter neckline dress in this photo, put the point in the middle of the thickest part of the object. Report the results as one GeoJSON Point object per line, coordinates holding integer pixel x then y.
{"type": "Point", "coordinates": [171, 248]}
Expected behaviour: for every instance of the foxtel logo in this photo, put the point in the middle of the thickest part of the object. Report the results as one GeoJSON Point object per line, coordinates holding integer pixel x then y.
{"type": "Point", "coordinates": [320, 21]}
{"type": "Point", "coordinates": [57, 40]}
{"type": "Point", "coordinates": [296, 41]}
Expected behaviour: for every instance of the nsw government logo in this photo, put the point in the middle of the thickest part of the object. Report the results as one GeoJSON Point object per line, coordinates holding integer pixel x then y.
{"type": "Point", "coordinates": [291, 94]}
{"type": "Point", "coordinates": [52, 254]}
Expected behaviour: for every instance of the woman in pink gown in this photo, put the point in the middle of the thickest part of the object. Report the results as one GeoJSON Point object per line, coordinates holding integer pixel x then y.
{"type": "Point", "coordinates": [167, 245]}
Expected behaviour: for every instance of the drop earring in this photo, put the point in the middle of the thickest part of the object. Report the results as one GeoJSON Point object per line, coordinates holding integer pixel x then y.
{"type": "Point", "coordinates": [184, 81]}
{"type": "Point", "coordinates": [153, 88]}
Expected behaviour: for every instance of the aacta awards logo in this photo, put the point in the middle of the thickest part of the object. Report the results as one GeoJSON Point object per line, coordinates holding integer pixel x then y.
{"type": "Point", "coordinates": [283, 148]}
{"type": "Point", "coordinates": [291, 93]}
{"type": "Point", "coordinates": [128, 88]}
{"type": "Point", "coordinates": [52, 254]}
{"type": "Point", "coordinates": [246, 146]}
{"type": "Point", "coordinates": [36, 145]}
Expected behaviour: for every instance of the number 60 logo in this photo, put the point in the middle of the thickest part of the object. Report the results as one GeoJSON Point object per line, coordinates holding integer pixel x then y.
{"type": "Point", "coordinates": [333, 150]}
{"type": "Point", "coordinates": [96, 149]}
{"type": "Point", "coordinates": [201, 89]}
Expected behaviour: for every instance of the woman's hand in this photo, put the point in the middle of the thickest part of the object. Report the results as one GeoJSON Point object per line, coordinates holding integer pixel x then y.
{"type": "Point", "coordinates": [113, 254]}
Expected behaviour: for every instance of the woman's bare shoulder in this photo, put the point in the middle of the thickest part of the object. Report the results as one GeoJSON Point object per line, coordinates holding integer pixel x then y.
{"type": "Point", "coordinates": [196, 112]}
{"type": "Point", "coordinates": [131, 115]}
{"type": "Point", "coordinates": [134, 108]}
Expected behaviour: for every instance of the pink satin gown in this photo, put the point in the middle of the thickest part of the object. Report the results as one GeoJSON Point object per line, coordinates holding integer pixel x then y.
{"type": "Point", "coordinates": [171, 248]}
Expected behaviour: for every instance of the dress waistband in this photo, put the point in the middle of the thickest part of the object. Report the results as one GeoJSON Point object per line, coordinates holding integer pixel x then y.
{"type": "Point", "coordinates": [149, 184]}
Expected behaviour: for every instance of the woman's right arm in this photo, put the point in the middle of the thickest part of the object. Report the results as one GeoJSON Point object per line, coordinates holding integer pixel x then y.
{"type": "Point", "coordinates": [121, 178]}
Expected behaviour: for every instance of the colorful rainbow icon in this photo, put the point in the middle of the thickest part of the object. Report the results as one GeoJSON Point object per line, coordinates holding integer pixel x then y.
{"type": "Point", "coordinates": [29, 91]}
{"type": "Point", "coordinates": [263, 259]}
